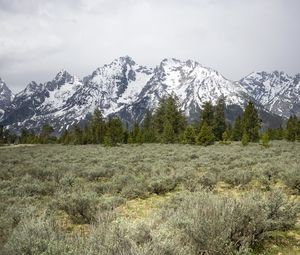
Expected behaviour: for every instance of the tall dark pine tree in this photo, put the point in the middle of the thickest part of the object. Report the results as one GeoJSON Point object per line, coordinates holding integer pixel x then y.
{"type": "Point", "coordinates": [168, 134]}
{"type": "Point", "coordinates": [237, 131]}
{"type": "Point", "coordinates": [148, 128]}
{"type": "Point", "coordinates": [77, 135]}
{"type": "Point", "coordinates": [135, 132]}
{"type": "Point", "coordinates": [65, 138]}
{"type": "Point", "coordinates": [159, 117]}
{"type": "Point", "coordinates": [47, 130]}
{"type": "Point", "coordinates": [189, 136]}
{"type": "Point", "coordinates": [251, 122]}
{"type": "Point", "coordinates": [219, 122]}
{"type": "Point", "coordinates": [97, 127]}
{"type": "Point", "coordinates": [207, 114]}
{"type": "Point", "coordinates": [206, 135]}
{"type": "Point", "coordinates": [298, 131]}
{"type": "Point", "coordinates": [114, 132]}
{"type": "Point", "coordinates": [1, 134]}
{"type": "Point", "coordinates": [292, 129]}
{"type": "Point", "coordinates": [168, 116]}
{"type": "Point", "coordinates": [174, 115]}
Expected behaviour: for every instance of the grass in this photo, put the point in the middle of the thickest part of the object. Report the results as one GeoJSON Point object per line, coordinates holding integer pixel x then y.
{"type": "Point", "coordinates": [74, 192]}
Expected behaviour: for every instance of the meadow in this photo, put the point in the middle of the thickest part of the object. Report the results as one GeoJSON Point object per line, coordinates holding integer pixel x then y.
{"type": "Point", "coordinates": [150, 199]}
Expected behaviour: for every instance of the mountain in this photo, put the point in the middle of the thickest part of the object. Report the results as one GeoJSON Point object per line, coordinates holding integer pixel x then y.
{"type": "Point", "coordinates": [6, 97]}
{"type": "Point", "coordinates": [127, 89]}
{"type": "Point", "coordinates": [67, 100]}
{"type": "Point", "coordinates": [277, 91]}
{"type": "Point", "coordinates": [44, 103]}
{"type": "Point", "coordinates": [192, 83]}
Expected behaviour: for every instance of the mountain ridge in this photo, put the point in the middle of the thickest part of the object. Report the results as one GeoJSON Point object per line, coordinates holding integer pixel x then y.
{"type": "Point", "coordinates": [127, 89]}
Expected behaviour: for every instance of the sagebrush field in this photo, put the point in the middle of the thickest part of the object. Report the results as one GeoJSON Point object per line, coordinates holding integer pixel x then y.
{"type": "Point", "coordinates": [150, 199]}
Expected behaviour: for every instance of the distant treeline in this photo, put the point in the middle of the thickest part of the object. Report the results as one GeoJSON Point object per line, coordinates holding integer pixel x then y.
{"type": "Point", "coordinates": [167, 124]}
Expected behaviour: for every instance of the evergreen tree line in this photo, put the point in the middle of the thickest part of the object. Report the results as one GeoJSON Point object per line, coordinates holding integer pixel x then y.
{"type": "Point", "coordinates": [291, 133]}
{"type": "Point", "coordinates": [167, 124]}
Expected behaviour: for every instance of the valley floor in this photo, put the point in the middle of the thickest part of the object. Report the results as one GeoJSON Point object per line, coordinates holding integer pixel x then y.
{"type": "Point", "coordinates": [150, 199]}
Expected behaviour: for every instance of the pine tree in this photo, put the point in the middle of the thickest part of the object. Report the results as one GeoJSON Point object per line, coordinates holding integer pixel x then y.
{"type": "Point", "coordinates": [135, 132]}
{"type": "Point", "coordinates": [87, 137]}
{"type": "Point", "coordinates": [280, 133]}
{"type": "Point", "coordinates": [77, 135]}
{"type": "Point", "coordinates": [125, 136]}
{"type": "Point", "coordinates": [298, 131]}
{"type": "Point", "coordinates": [65, 138]}
{"type": "Point", "coordinates": [251, 122]}
{"type": "Point", "coordinates": [1, 135]}
{"type": "Point", "coordinates": [45, 133]}
{"type": "Point", "coordinates": [148, 128]}
{"type": "Point", "coordinates": [272, 133]}
{"type": "Point", "coordinates": [189, 135]}
{"type": "Point", "coordinates": [159, 117]}
{"type": "Point", "coordinates": [97, 127]}
{"type": "Point", "coordinates": [291, 127]}
{"type": "Point", "coordinates": [114, 133]}
{"type": "Point", "coordinates": [265, 139]}
{"type": "Point", "coordinates": [206, 136]}
{"type": "Point", "coordinates": [226, 137]}
{"type": "Point", "coordinates": [140, 137]}
{"type": "Point", "coordinates": [130, 139]}
{"type": "Point", "coordinates": [237, 131]}
{"type": "Point", "coordinates": [219, 122]}
{"type": "Point", "coordinates": [207, 115]}
{"type": "Point", "coordinates": [168, 114]}
{"type": "Point", "coordinates": [168, 134]}
{"type": "Point", "coordinates": [245, 139]}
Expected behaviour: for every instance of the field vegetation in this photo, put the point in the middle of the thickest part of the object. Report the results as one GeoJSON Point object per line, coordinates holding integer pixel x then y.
{"type": "Point", "coordinates": [150, 199]}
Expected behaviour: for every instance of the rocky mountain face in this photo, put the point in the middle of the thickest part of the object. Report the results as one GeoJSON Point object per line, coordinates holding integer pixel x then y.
{"type": "Point", "coordinates": [277, 92]}
{"type": "Point", "coordinates": [6, 97]}
{"type": "Point", "coordinates": [127, 89]}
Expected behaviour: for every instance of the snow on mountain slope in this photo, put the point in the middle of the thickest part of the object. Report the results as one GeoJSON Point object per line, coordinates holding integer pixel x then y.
{"type": "Point", "coordinates": [6, 97]}
{"type": "Point", "coordinates": [192, 83]}
{"type": "Point", "coordinates": [38, 103]}
{"type": "Point", "coordinates": [66, 100]}
{"type": "Point", "coordinates": [112, 86]}
{"type": "Point", "coordinates": [127, 89]}
{"type": "Point", "coordinates": [277, 91]}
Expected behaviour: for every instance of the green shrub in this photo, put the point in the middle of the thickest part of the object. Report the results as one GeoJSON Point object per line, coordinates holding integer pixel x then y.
{"type": "Point", "coordinates": [265, 139]}
{"type": "Point", "coordinates": [135, 190]}
{"type": "Point", "coordinates": [108, 237]}
{"type": "Point", "coordinates": [94, 175]}
{"type": "Point", "coordinates": [237, 177]}
{"type": "Point", "coordinates": [292, 178]}
{"type": "Point", "coordinates": [211, 224]}
{"type": "Point", "coordinates": [245, 139]}
{"type": "Point", "coordinates": [161, 185]}
{"type": "Point", "coordinates": [209, 180]}
{"type": "Point", "coordinates": [38, 236]}
{"type": "Point", "coordinates": [29, 186]}
{"type": "Point", "coordinates": [81, 207]}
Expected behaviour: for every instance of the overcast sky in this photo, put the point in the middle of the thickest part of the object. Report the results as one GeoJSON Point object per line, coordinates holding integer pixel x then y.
{"type": "Point", "coordinates": [236, 37]}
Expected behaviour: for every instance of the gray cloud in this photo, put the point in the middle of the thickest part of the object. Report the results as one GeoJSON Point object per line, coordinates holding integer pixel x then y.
{"type": "Point", "coordinates": [39, 37]}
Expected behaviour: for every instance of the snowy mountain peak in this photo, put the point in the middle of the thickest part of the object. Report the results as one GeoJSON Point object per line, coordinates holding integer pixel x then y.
{"type": "Point", "coordinates": [32, 87]}
{"type": "Point", "coordinates": [4, 90]}
{"type": "Point", "coordinates": [177, 62]}
{"type": "Point", "coordinates": [275, 90]}
{"type": "Point", "coordinates": [6, 97]}
{"type": "Point", "coordinates": [128, 89]}
{"type": "Point", "coordinates": [62, 77]}
{"type": "Point", "coordinates": [126, 60]}
{"type": "Point", "coordinates": [297, 78]}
